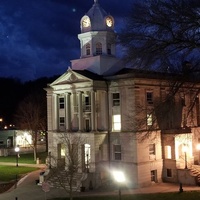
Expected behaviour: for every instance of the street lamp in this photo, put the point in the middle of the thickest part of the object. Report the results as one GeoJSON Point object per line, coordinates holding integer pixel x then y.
{"type": "Point", "coordinates": [120, 178]}
{"type": "Point", "coordinates": [185, 148]}
{"type": "Point", "coordinates": [17, 155]}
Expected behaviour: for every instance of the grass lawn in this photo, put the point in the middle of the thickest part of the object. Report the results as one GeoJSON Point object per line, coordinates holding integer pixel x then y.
{"type": "Point", "coordinates": [24, 158]}
{"type": "Point", "coordinates": [8, 173]}
{"type": "Point", "coordinates": [161, 196]}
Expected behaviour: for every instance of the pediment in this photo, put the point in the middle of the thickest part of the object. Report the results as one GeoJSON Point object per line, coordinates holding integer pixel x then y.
{"type": "Point", "coordinates": [70, 77]}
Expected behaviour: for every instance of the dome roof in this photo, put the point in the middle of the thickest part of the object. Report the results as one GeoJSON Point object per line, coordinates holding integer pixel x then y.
{"type": "Point", "coordinates": [97, 16]}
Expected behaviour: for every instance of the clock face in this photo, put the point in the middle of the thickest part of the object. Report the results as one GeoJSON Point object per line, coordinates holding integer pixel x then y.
{"type": "Point", "coordinates": [109, 22]}
{"type": "Point", "coordinates": [86, 22]}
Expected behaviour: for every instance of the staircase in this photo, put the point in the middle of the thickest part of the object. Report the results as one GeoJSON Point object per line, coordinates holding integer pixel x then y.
{"type": "Point", "coordinates": [60, 179]}
{"type": "Point", "coordinates": [195, 171]}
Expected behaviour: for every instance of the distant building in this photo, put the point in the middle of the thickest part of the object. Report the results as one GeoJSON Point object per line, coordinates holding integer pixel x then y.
{"type": "Point", "coordinates": [124, 115]}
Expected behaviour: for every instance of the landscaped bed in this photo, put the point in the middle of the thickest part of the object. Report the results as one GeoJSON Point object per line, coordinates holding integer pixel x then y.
{"type": "Point", "coordinates": [9, 175]}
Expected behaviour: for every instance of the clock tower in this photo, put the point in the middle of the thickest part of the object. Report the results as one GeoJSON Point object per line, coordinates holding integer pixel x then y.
{"type": "Point", "coordinates": [97, 42]}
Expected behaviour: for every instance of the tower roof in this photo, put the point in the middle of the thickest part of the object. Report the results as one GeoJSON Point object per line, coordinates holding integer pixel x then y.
{"type": "Point", "coordinates": [97, 16]}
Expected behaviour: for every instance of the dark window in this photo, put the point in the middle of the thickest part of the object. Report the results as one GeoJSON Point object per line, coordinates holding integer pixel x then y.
{"type": "Point", "coordinates": [87, 125]}
{"type": "Point", "coordinates": [98, 48]}
{"type": "Point", "coordinates": [87, 49]}
{"type": "Point", "coordinates": [87, 100]}
{"type": "Point", "coordinates": [149, 97]}
{"type": "Point", "coordinates": [116, 99]}
{"type": "Point", "coordinates": [87, 106]}
{"type": "Point", "coordinates": [169, 172]}
{"type": "Point", "coordinates": [117, 152]}
{"type": "Point", "coordinates": [62, 121]}
{"type": "Point", "coordinates": [109, 49]}
{"type": "Point", "coordinates": [62, 102]}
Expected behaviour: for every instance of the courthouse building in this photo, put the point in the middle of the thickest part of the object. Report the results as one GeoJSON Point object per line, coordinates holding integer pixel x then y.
{"type": "Point", "coordinates": [145, 124]}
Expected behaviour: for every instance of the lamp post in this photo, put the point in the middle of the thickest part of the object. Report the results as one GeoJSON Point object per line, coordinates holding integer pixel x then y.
{"type": "Point", "coordinates": [185, 152]}
{"type": "Point", "coordinates": [17, 155]}
{"type": "Point", "coordinates": [119, 178]}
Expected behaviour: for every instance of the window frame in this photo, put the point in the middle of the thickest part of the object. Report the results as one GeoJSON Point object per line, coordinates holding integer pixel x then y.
{"type": "Point", "coordinates": [115, 100]}
{"type": "Point", "coordinates": [99, 48]}
{"type": "Point", "coordinates": [117, 151]}
{"type": "Point", "coordinates": [152, 149]}
{"type": "Point", "coordinates": [61, 121]}
{"type": "Point", "coordinates": [88, 49]}
{"type": "Point", "coordinates": [149, 97]}
{"type": "Point", "coordinates": [61, 103]}
{"type": "Point", "coordinates": [169, 173]}
{"type": "Point", "coordinates": [149, 119]}
{"type": "Point", "coordinates": [116, 124]}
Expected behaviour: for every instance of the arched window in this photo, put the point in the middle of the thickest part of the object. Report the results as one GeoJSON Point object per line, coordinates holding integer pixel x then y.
{"type": "Point", "coordinates": [87, 49]}
{"type": "Point", "coordinates": [98, 48]}
{"type": "Point", "coordinates": [109, 49]}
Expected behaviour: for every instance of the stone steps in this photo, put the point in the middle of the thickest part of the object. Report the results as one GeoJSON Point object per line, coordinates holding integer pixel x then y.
{"type": "Point", "coordinates": [60, 179]}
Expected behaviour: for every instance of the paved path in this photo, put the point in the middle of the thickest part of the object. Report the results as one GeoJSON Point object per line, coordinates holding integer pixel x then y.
{"type": "Point", "coordinates": [27, 189]}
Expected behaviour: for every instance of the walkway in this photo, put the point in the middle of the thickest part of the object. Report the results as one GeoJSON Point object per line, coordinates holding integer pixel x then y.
{"type": "Point", "coordinates": [28, 189]}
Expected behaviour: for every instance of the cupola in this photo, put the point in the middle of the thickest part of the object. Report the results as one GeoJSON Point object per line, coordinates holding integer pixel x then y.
{"type": "Point", "coordinates": [97, 19]}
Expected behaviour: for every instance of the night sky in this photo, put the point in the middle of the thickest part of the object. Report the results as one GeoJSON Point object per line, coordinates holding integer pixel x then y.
{"type": "Point", "coordinates": [38, 38]}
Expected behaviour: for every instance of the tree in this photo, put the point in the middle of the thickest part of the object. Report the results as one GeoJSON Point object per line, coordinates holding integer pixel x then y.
{"type": "Point", "coordinates": [31, 116]}
{"type": "Point", "coordinates": [67, 173]}
{"type": "Point", "coordinates": [161, 34]}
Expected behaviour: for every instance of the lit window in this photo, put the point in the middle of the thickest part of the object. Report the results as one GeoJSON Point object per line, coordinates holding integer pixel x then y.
{"type": "Point", "coordinates": [149, 119]}
{"type": "Point", "coordinates": [87, 156]}
{"type": "Point", "coordinates": [116, 99]}
{"type": "Point", "coordinates": [117, 152]}
{"type": "Point", "coordinates": [61, 102]}
{"type": "Point", "coordinates": [168, 152]}
{"type": "Point", "coordinates": [98, 48]}
{"type": "Point", "coordinates": [149, 97]}
{"type": "Point", "coordinates": [116, 122]}
{"type": "Point", "coordinates": [152, 149]}
{"type": "Point", "coordinates": [62, 150]}
{"type": "Point", "coordinates": [62, 121]}
{"type": "Point", "coordinates": [88, 49]}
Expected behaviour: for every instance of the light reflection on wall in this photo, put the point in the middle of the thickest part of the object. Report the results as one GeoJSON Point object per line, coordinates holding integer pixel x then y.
{"type": "Point", "coordinates": [23, 139]}
{"type": "Point", "coordinates": [180, 141]}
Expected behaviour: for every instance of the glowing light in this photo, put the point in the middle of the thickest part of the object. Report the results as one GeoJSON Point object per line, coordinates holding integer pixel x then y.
{"type": "Point", "coordinates": [119, 176]}
{"type": "Point", "coordinates": [185, 148]}
{"type": "Point", "coordinates": [17, 149]}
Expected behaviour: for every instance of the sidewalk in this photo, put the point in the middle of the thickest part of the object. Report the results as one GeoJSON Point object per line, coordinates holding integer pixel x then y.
{"type": "Point", "coordinates": [27, 189]}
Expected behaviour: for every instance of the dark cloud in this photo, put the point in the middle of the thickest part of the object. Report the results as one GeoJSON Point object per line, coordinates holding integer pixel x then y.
{"type": "Point", "coordinates": [39, 37]}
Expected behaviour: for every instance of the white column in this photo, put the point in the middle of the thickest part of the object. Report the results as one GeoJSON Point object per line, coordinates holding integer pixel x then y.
{"type": "Point", "coordinates": [55, 112]}
{"type": "Point", "coordinates": [93, 110]}
{"type": "Point", "coordinates": [49, 111]}
{"type": "Point", "coordinates": [68, 111]}
{"type": "Point", "coordinates": [80, 111]}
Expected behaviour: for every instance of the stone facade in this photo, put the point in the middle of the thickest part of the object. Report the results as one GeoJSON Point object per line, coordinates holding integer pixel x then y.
{"type": "Point", "coordinates": [127, 120]}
